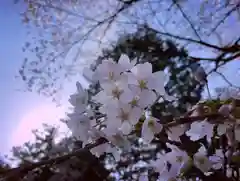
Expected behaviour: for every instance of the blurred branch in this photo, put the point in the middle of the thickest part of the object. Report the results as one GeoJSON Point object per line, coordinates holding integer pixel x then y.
{"type": "Point", "coordinates": [20, 171]}
{"type": "Point", "coordinates": [68, 12]}
{"type": "Point", "coordinates": [15, 173]}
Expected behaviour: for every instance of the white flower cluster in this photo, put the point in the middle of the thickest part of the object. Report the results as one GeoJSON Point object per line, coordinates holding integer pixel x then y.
{"type": "Point", "coordinates": [128, 90]}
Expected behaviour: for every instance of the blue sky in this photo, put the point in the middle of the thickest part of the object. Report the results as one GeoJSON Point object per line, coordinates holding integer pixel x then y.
{"type": "Point", "coordinates": [14, 104]}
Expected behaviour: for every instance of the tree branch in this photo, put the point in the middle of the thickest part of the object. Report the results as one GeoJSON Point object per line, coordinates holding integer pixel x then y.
{"type": "Point", "coordinates": [187, 18]}
{"type": "Point", "coordinates": [224, 18]}
{"type": "Point", "coordinates": [19, 171]}
{"type": "Point", "coordinates": [183, 120]}
{"type": "Point", "coordinates": [226, 80]}
{"type": "Point", "coordinates": [186, 39]}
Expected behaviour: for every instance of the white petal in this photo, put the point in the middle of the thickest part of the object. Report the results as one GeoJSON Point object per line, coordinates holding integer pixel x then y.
{"type": "Point", "coordinates": [116, 154]}
{"type": "Point", "coordinates": [132, 79]}
{"type": "Point", "coordinates": [147, 98]}
{"type": "Point", "coordinates": [119, 140]}
{"type": "Point", "coordinates": [156, 82]}
{"type": "Point", "coordinates": [135, 115]}
{"type": "Point", "coordinates": [143, 178]}
{"type": "Point", "coordinates": [147, 133]}
{"type": "Point", "coordinates": [142, 71]}
{"type": "Point", "coordinates": [127, 96]}
{"type": "Point", "coordinates": [205, 166]}
{"type": "Point", "coordinates": [126, 127]}
{"type": "Point", "coordinates": [157, 127]}
{"type": "Point", "coordinates": [112, 126]}
{"type": "Point", "coordinates": [105, 69]}
{"type": "Point", "coordinates": [176, 131]}
{"type": "Point", "coordinates": [124, 61]}
{"type": "Point", "coordinates": [99, 150]}
{"type": "Point", "coordinates": [135, 89]}
{"type": "Point", "coordinates": [101, 97]}
{"type": "Point", "coordinates": [159, 164]}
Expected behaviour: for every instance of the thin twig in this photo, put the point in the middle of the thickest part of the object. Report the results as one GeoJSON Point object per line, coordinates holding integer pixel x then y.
{"type": "Point", "coordinates": [187, 18]}
{"type": "Point", "coordinates": [224, 18]}
{"type": "Point", "coordinates": [188, 39]}
{"type": "Point", "coordinates": [226, 80]}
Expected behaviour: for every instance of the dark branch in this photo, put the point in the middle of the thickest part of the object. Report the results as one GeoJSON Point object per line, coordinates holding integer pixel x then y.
{"type": "Point", "coordinates": [187, 39]}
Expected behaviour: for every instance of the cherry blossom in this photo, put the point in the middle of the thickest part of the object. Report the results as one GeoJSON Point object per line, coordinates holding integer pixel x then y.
{"type": "Point", "coordinates": [124, 116]}
{"type": "Point", "coordinates": [125, 63]}
{"type": "Point", "coordinates": [107, 71]}
{"type": "Point", "coordinates": [128, 91]}
{"type": "Point", "coordinates": [217, 159]}
{"type": "Point", "coordinates": [200, 129]}
{"type": "Point", "coordinates": [118, 90]}
{"type": "Point", "coordinates": [169, 165]}
{"type": "Point", "coordinates": [201, 161]}
{"type": "Point", "coordinates": [177, 157]}
{"type": "Point", "coordinates": [142, 98]}
{"type": "Point", "coordinates": [159, 164]}
{"type": "Point", "coordinates": [118, 139]}
{"type": "Point", "coordinates": [142, 76]}
{"type": "Point", "coordinates": [150, 127]}
{"type": "Point", "coordinates": [176, 131]}
{"type": "Point", "coordinates": [80, 99]}
{"type": "Point", "coordinates": [80, 125]}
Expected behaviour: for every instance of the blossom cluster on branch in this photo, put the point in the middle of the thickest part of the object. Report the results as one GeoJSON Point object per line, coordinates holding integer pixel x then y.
{"type": "Point", "coordinates": [201, 144]}
{"type": "Point", "coordinates": [128, 90]}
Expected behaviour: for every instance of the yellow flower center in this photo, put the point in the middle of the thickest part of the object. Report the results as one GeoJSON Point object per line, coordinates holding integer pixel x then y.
{"type": "Point", "coordinates": [124, 116]}
{"type": "Point", "coordinates": [142, 84]}
{"type": "Point", "coordinates": [151, 123]}
{"type": "Point", "coordinates": [116, 92]}
{"type": "Point", "coordinates": [134, 102]}
{"type": "Point", "coordinates": [201, 161]}
{"type": "Point", "coordinates": [179, 159]}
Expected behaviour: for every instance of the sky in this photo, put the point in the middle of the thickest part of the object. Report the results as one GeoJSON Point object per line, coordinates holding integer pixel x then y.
{"type": "Point", "coordinates": [17, 106]}
{"type": "Point", "coordinates": [21, 110]}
